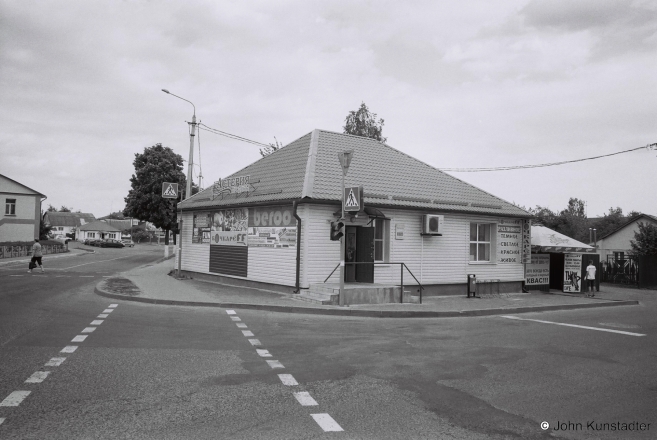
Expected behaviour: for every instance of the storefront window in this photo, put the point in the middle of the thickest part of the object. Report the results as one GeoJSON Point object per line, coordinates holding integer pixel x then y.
{"type": "Point", "coordinates": [381, 237]}
{"type": "Point", "coordinates": [479, 242]}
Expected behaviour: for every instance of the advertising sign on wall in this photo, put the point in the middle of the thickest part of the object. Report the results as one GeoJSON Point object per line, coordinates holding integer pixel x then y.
{"type": "Point", "coordinates": [273, 227]}
{"type": "Point", "coordinates": [572, 272]}
{"type": "Point", "coordinates": [509, 247]}
{"type": "Point", "coordinates": [201, 227]}
{"type": "Point", "coordinates": [229, 227]}
{"type": "Point", "coordinates": [526, 241]}
{"type": "Point", "coordinates": [538, 270]}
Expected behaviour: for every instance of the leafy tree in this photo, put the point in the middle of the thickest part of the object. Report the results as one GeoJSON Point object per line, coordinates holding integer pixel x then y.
{"type": "Point", "coordinates": [609, 222]}
{"type": "Point", "coordinates": [573, 221]}
{"type": "Point", "coordinates": [65, 209]}
{"type": "Point", "coordinates": [363, 123]}
{"type": "Point", "coordinates": [44, 230]}
{"type": "Point", "coordinates": [266, 151]}
{"type": "Point", "coordinates": [154, 166]}
{"type": "Point", "coordinates": [51, 208]}
{"type": "Point", "coordinates": [645, 240]}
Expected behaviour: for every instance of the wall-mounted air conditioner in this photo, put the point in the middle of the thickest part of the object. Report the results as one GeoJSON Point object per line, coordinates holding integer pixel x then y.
{"type": "Point", "coordinates": [432, 224]}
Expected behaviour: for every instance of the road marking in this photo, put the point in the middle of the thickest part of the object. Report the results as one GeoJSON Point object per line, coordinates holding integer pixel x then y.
{"type": "Point", "coordinates": [102, 315]}
{"type": "Point", "coordinates": [15, 398]}
{"type": "Point", "coordinates": [263, 353]}
{"type": "Point", "coordinates": [112, 306]}
{"type": "Point", "coordinates": [79, 338]}
{"type": "Point", "coordinates": [255, 342]}
{"type": "Point", "coordinates": [275, 364]}
{"type": "Point", "coordinates": [86, 276]}
{"type": "Point", "coordinates": [231, 312]}
{"type": "Point", "coordinates": [288, 379]}
{"type": "Point", "coordinates": [576, 326]}
{"type": "Point", "coordinates": [96, 322]}
{"type": "Point", "coordinates": [235, 318]}
{"type": "Point", "coordinates": [88, 329]}
{"type": "Point", "coordinates": [16, 275]}
{"type": "Point", "coordinates": [326, 422]}
{"type": "Point", "coordinates": [305, 399]}
{"type": "Point", "coordinates": [55, 362]}
{"type": "Point", "coordinates": [107, 276]}
{"type": "Point", "coordinates": [108, 310]}
{"type": "Point", "coordinates": [2, 419]}
{"type": "Point", "coordinates": [247, 333]}
{"type": "Point", "coordinates": [69, 349]}
{"type": "Point", "coordinates": [241, 325]}
{"type": "Point", "coordinates": [37, 377]}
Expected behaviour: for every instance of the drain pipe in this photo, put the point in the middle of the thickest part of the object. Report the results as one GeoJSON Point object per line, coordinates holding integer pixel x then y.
{"type": "Point", "coordinates": [295, 205]}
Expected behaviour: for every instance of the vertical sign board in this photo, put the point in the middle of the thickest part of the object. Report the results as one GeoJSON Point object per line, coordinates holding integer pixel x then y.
{"type": "Point", "coordinates": [538, 270]}
{"type": "Point", "coordinates": [572, 273]}
{"type": "Point", "coordinates": [509, 233]}
{"type": "Point", "coordinates": [526, 241]}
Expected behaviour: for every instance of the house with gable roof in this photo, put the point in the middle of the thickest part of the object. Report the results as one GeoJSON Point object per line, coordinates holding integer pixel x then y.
{"type": "Point", "coordinates": [63, 223]}
{"type": "Point", "coordinates": [97, 230]}
{"type": "Point", "coordinates": [21, 215]}
{"type": "Point", "coordinates": [270, 223]}
{"type": "Point", "coordinates": [616, 243]}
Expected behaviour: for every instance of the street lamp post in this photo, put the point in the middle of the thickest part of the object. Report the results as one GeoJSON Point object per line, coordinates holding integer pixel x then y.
{"type": "Point", "coordinates": [345, 160]}
{"type": "Point", "coordinates": [190, 163]}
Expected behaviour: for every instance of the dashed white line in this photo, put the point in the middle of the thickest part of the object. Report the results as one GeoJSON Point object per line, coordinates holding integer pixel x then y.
{"type": "Point", "coordinates": [15, 398]}
{"type": "Point", "coordinates": [275, 364]}
{"type": "Point", "coordinates": [305, 399]}
{"type": "Point", "coordinates": [86, 276]}
{"type": "Point", "coordinates": [326, 422]}
{"type": "Point", "coordinates": [96, 322]}
{"type": "Point", "coordinates": [113, 306]}
{"type": "Point", "coordinates": [247, 333]}
{"type": "Point", "coordinates": [2, 419]}
{"type": "Point", "coordinates": [235, 318]}
{"type": "Point", "coordinates": [288, 379]}
{"type": "Point", "coordinates": [575, 325]}
{"type": "Point", "coordinates": [255, 342]}
{"type": "Point", "coordinates": [69, 349]}
{"type": "Point", "coordinates": [108, 310]}
{"type": "Point", "coordinates": [55, 362]}
{"type": "Point", "coordinates": [102, 315]}
{"type": "Point", "coordinates": [241, 325]}
{"type": "Point", "coordinates": [263, 353]}
{"type": "Point", "coordinates": [79, 338]}
{"type": "Point", "coordinates": [231, 312]}
{"type": "Point", "coordinates": [37, 377]}
{"type": "Point", "coordinates": [88, 329]}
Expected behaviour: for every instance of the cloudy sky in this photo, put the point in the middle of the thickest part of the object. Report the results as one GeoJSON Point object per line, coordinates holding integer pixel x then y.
{"type": "Point", "coordinates": [459, 84]}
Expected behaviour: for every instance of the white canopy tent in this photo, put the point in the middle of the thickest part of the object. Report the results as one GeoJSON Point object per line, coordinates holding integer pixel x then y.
{"type": "Point", "coordinates": [546, 240]}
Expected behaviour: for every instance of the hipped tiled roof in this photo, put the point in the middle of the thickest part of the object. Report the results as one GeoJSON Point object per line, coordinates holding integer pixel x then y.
{"type": "Point", "coordinates": [99, 226]}
{"type": "Point", "coordinates": [308, 168]}
{"type": "Point", "coordinates": [56, 218]}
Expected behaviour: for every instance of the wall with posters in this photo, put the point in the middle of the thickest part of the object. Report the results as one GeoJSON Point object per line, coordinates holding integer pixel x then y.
{"type": "Point", "coordinates": [509, 241]}
{"type": "Point", "coordinates": [572, 273]}
{"type": "Point", "coordinates": [537, 272]}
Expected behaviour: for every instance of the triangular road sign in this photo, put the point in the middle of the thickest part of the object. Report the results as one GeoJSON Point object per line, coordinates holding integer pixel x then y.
{"type": "Point", "coordinates": [170, 190]}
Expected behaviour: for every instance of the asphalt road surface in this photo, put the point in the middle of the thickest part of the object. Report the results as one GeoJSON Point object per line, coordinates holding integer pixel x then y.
{"type": "Point", "coordinates": [141, 371]}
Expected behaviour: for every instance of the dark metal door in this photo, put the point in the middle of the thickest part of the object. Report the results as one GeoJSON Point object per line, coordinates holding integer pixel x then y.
{"type": "Point", "coordinates": [365, 254]}
{"type": "Point", "coordinates": [350, 255]}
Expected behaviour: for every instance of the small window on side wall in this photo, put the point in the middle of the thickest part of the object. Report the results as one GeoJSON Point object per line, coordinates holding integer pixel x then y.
{"type": "Point", "coordinates": [480, 241]}
{"type": "Point", "coordinates": [381, 239]}
{"type": "Point", "coordinates": [10, 206]}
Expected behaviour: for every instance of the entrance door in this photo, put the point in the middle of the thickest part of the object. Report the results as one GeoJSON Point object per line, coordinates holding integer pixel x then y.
{"type": "Point", "coordinates": [365, 254]}
{"type": "Point", "coordinates": [350, 255]}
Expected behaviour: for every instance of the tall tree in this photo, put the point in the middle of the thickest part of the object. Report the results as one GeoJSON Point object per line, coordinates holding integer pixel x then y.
{"type": "Point", "coordinates": [363, 123]}
{"type": "Point", "coordinates": [153, 167]}
{"type": "Point", "coordinates": [645, 240]}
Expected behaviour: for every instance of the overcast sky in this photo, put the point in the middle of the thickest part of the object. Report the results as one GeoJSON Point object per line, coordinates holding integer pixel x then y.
{"type": "Point", "coordinates": [459, 84]}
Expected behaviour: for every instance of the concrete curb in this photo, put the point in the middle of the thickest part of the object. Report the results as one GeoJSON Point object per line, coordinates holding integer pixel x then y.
{"type": "Point", "coordinates": [361, 313]}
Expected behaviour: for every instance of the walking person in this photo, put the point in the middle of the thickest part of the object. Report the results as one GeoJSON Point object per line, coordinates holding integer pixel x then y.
{"type": "Point", "coordinates": [37, 254]}
{"type": "Point", "coordinates": [590, 278]}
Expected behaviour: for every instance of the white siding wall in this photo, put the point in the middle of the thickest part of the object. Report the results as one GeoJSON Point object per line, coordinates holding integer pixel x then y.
{"type": "Point", "coordinates": [321, 254]}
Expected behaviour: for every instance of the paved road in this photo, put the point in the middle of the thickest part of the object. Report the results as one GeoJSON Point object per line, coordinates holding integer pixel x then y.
{"type": "Point", "coordinates": [157, 372]}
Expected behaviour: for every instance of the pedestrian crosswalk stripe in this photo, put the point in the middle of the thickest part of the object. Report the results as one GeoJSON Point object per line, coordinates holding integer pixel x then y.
{"type": "Point", "coordinates": [326, 422]}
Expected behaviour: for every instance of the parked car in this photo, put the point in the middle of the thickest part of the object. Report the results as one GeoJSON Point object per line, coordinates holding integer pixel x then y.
{"type": "Point", "coordinates": [110, 243]}
{"type": "Point", "coordinates": [89, 241]}
{"type": "Point", "coordinates": [127, 242]}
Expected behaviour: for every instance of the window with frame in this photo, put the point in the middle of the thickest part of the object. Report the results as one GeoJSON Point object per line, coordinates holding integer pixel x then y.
{"type": "Point", "coordinates": [91, 235]}
{"type": "Point", "coordinates": [381, 239]}
{"type": "Point", "coordinates": [480, 241]}
{"type": "Point", "coordinates": [10, 206]}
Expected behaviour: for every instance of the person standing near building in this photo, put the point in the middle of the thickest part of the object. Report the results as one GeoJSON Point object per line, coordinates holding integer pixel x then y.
{"type": "Point", "coordinates": [590, 278]}
{"type": "Point", "coordinates": [37, 254]}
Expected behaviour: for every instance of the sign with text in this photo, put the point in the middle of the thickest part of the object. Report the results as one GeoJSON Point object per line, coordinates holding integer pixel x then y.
{"type": "Point", "coordinates": [572, 273]}
{"type": "Point", "coordinates": [273, 227]}
{"type": "Point", "coordinates": [399, 231]}
{"type": "Point", "coordinates": [229, 227]}
{"type": "Point", "coordinates": [232, 185]}
{"type": "Point", "coordinates": [526, 241]}
{"type": "Point", "coordinates": [201, 227]}
{"type": "Point", "coordinates": [509, 233]}
{"type": "Point", "coordinates": [538, 270]}
{"type": "Point", "coordinates": [169, 190]}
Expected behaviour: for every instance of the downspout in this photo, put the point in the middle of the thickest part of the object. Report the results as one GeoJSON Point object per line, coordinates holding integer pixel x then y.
{"type": "Point", "coordinates": [295, 205]}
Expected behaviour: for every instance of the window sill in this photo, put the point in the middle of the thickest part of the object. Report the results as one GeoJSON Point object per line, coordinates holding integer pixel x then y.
{"type": "Point", "coordinates": [10, 215]}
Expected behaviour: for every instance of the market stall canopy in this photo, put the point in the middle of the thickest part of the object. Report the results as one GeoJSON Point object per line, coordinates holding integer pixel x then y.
{"type": "Point", "coordinates": [547, 240]}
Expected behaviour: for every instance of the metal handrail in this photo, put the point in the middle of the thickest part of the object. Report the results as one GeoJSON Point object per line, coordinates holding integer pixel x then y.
{"type": "Point", "coordinates": [402, 266]}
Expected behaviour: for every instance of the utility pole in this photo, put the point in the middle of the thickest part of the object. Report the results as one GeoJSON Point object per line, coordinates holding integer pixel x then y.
{"type": "Point", "coordinates": [345, 160]}
{"type": "Point", "coordinates": [190, 164]}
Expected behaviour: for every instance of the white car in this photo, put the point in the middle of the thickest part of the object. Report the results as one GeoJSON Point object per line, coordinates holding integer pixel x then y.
{"type": "Point", "coordinates": [127, 242]}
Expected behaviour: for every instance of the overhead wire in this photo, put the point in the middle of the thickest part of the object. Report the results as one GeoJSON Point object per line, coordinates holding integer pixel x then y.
{"type": "Point", "coordinates": [229, 135]}
{"type": "Point", "coordinates": [517, 167]}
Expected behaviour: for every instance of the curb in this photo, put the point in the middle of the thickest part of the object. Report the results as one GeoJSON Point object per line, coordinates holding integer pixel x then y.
{"type": "Point", "coordinates": [362, 313]}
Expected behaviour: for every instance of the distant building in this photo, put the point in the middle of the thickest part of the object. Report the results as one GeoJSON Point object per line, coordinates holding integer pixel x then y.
{"type": "Point", "coordinates": [21, 217]}
{"type": "Point", "coordinates": [63, 223]}
{"type": "Point", "coordinates": [617, 243]}
{"type": "Point", "coordinates": [97, 230]}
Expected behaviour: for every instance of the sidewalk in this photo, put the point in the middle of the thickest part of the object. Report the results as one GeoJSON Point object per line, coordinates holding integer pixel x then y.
{"type": "Point", "coordinates": [72, 252]}
{"type": "Point", "coordinates": [152, 284]}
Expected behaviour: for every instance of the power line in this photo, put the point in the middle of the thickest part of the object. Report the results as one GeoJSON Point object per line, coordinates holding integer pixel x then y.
{"type": "Point", "coordinates": [517, 167]}
{"type": "Point", "coordinates": [231, 136]}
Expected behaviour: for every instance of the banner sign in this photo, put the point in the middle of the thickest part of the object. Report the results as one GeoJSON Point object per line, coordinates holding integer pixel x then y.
{"type": "Point", "coordinates": [538, 270]}
{"type": "Point", "coordinates": [273, 227]}
{"type": "Point", "coordinates": [572, 272]}
{"type": "Point", "coordinates": [526, 241]}
{"type": "Point", "coordinates": [229, 227]}
{"type": "Point", "coordinates": [233, 185]}
{"type": "Point", "coordinates": [509, 233]}
{"type": "Point", "coordinates": [201, 227]}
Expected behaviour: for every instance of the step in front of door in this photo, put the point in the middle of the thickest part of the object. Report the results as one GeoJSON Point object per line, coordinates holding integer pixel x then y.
{"type": "Point", "coordinates": [318, 298]}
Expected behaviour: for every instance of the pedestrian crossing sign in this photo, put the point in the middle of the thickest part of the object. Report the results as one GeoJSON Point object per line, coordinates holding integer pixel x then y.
{"type": "Point", "coordinates": [352, 199]}
{"type": "Point", "coordinates": [169, 190]}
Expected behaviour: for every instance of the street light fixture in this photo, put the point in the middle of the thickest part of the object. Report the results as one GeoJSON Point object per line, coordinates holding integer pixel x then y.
{"type": "Point", "coordinates": [190, 163]}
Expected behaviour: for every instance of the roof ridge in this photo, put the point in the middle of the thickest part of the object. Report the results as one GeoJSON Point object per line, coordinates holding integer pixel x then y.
{"type": "Point", "coordinates": [309, 175]}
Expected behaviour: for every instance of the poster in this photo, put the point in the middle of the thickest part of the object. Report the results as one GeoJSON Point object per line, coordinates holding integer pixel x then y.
{"type": "Point", "coordinates": [229, 227]}
{"type": "Point", "coordinates": [201, 227]}
{"type": "Point", "coordinates": [273, 227]}
{"type": "Point", "coordinates": [572, 272]}
{"type": "Point", "coordinates": [538, 270]}
{"type": "Point", "coordinates": [509, 232]}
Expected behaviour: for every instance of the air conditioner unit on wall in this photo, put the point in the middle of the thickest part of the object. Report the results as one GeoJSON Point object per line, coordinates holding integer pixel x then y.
{"type": "Point", "coordinates": [432, 224]}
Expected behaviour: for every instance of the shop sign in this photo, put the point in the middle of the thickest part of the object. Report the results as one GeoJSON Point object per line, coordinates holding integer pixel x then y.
{"type": "Point", "coordinates": [229, 227]}
{"type": "Point", "coordinates": [509, 247]}
{"type": "Point", "coordinates": [233, 185]}
{"type": "Point", "coordinates": [572, 272]}
{"type": "Point", "coordinates": [273, 227]}
{"type": "Point", "coordinates": [201, 227]}
{"type": "Point", "coordinates": [538, 270]}
{"type": "Point", "coordinates": [526, 241]}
